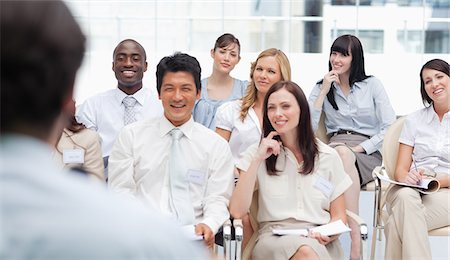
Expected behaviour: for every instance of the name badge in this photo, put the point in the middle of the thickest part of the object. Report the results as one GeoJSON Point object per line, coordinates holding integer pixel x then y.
{"type": "Point", "coordinates": [73, 156]}
{"type": "Point", "coordinates": [196, 176]}
{"type": "Point", "coordinates": [324, 186]}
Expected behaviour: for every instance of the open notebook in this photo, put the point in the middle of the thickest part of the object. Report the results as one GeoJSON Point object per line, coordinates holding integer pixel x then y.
{"type": "Point", "coordinates": [425, 186]}
{"type": "Point", "coordinates": [333, 228]}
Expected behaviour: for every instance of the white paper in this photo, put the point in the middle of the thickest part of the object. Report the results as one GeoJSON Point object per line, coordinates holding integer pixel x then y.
{"type": "Point", "coordinates": [73, 156]}
{"type": "Point", "coordinates": [324, 186]}
{"type": "Point", "coordinates": [423, 184]}
{"type": "Point", "coordinates": [334, 228]}
{"type": "Point", "coordinates": [196, 176]}
{"type": "Point", "coordinates": [189, 231]}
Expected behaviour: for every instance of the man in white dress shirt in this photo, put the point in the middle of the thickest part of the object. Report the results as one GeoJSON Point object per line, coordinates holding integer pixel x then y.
{"type": "Point", "coordinates": [139, 161]}
{"type": "Point", "coordinates": [106, 112]}
{"type": "Point", "coordinates": [47, 213]}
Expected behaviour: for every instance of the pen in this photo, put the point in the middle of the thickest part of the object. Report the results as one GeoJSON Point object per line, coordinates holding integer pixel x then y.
{"type": "Point", "coordinates": [414, 162]}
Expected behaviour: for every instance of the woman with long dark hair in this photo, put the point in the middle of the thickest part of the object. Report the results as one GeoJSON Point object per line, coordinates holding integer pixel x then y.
{"type": "Point", "coordinates": [290, 169]}
{"type": "Point", "coordinates": [357, 114]}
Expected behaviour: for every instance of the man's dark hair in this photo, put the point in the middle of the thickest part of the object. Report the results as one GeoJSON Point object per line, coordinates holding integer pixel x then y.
{"type": "Point", "coordinates": [42, 47]}
{"type": "Point", "coordinates": [175, 63]}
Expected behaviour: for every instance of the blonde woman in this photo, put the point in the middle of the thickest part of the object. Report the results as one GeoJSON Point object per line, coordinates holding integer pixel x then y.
{"type": "Point", "coordinates": [240, 121]}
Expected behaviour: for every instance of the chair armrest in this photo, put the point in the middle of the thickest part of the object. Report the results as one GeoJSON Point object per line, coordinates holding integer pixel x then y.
{"type": "Point", "coordinates": [361, 223]}
{"type": "Point", "coordinates": [226, 228]}
{"type": "Point", "coordinates": [376, 170]}
{"type": "Point", "coordinates": [238, 229]}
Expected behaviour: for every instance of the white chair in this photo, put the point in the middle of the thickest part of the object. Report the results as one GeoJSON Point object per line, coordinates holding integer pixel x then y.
{"type": "Point", "coordinates": [389, 151]}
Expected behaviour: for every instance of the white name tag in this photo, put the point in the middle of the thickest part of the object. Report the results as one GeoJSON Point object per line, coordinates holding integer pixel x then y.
{"type": "Point", "coordinates": [324, 186]}
{"type": "Point", "coordinates": [73, 156]}
{"type": "Point", "coordinates": [196, 176]}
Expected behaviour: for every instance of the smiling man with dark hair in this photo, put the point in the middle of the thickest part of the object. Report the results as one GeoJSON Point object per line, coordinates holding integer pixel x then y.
{"type": "Point", "coordinates": [172, 163]}
{"type": "Point", "coordinates": [108, 112]}
{"type": "Point", "coordinates": [46, 213]}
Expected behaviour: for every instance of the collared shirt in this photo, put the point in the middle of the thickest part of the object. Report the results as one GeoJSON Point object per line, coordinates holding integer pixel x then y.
{"type": "Point", "coordinates": [290, 194]}
{"type": "Point", "coordinates": [205, 108]}
{"type": "Point", "coordinates": [429, 138]}
{"type": "Point", "coordinates": [243, 133]}
{"type": "Point", "coordinates": [138, 168]}
{"type": "Point", "coordinates": [366, 110]}
{"type": "Point", "coordinates": [104, 113]}
{"type": "Point", "coordinates": [47, 213]}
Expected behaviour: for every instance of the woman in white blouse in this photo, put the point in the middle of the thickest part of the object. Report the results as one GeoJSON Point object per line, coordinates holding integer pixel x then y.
{"type": "Point", "coordinates": [240, 121]}
{"type": "Point", "coordinates": [300, 181]}
{"type": "Point", "coordinates": [424, 150]}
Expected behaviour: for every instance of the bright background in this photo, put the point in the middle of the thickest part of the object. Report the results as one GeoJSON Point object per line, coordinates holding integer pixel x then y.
{"type": "Point", "coordinates": [398, 37]}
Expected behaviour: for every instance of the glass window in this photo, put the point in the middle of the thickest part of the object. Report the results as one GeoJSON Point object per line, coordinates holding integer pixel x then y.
{"type": "Point", "coordinates": [372, 40]}
{"type": "Point", "coordinates": [410, 40]}
{"type": "Point", "coordinates": [437, 41]}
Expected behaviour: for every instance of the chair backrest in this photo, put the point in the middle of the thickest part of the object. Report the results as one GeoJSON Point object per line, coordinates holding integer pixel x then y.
{"type": "Point", "coordinates": [390, 146]}
{"type": "Point", "coordinates": [321, 131]}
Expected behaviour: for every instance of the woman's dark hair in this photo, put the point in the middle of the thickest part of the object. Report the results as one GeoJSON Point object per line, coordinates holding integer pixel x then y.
{"type": "Point", "coordinates": [435, 64]}
{"type": "Point", "coordinates": [74, 126]}
{"type": "Point", "coordinates": [226, 39]}
{"type": "Point", "coordinates": [305, 134]}
{"type": "Point", "coordinates": [343, 44]}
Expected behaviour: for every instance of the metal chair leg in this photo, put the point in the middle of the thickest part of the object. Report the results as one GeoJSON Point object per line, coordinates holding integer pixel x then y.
{"type": "Point", "coordinates": [227, 240]}
{"type": "Point", "coordinates": [239, 235]}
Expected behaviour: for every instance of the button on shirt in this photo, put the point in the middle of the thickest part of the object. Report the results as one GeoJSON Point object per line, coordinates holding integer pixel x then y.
{"type": "Point", "coordinates": [104, 113]}
{"type": "Point", "coordinates": [293, 195]}
{"type": "Point", "coordinates": [366, 110]}
{"type": "Point", "coordinates": [243, 133]}
{"type": "Point", "coordinates": [139, 168]}
{"type": "Point", "coordinates": [430, 139]}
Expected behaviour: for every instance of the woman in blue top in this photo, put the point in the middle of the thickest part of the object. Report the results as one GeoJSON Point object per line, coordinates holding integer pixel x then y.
{"type": "Point", "coordinates": [357, 114]}
{"type": "Point", "coordinates": [220, 86]}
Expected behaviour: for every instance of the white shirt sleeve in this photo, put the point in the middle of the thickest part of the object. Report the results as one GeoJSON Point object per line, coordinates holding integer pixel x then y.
{"type": "Point", "coordinates": [219, 187]}
{"type": "Point", "coordinates": [86, 115]}
{"type": "Point", "coordinates": [121, 165]}
{"type": "Point", "coordinates": [407, 134]}
{"type": "Point", "coordinates": [225, 114]}
{"type": "Point", "coordinates": [385, 114]}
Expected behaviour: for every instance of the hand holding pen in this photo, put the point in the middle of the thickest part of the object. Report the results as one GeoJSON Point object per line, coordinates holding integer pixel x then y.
{"type": "Point", "coordinates": [414, 176]}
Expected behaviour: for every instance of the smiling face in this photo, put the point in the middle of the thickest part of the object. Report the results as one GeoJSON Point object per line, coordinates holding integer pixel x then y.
{"type": "Point", "coordinates": [129, 65]}
{"type": "Point", "coordinates": [178, 95]}
{"type": "Point", "coordinates": [226, 58]}
{"type": "Point", "coordinates": [340, 63]}
{"type": "Point", "coordinates": [267, 72]}
{"type": "Point", "coordinates": [283, 112]}
{"type": "Point", "coordinates": [436, 85]}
